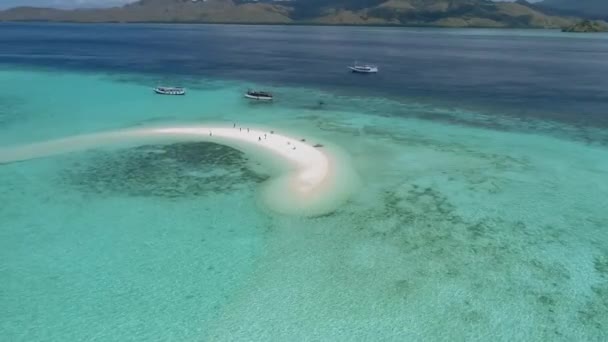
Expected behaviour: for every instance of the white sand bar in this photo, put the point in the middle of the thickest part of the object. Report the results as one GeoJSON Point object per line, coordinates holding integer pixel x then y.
{"type": "Point", "coordinates": [308, 187]}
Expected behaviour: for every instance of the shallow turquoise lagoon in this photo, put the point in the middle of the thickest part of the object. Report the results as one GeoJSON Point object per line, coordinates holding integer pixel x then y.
{"type": "Point", "coordinates": [492, 231]}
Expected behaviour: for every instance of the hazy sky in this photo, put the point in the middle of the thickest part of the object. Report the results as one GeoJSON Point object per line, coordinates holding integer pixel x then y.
{"type": "Point", "coordinates": [63, 3]}
{"type": "Point", "coordinates": [70, 3]}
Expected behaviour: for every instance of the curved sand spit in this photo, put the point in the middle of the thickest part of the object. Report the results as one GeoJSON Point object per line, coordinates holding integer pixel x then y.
{"type": "Point", "coordinates": [309, 185]}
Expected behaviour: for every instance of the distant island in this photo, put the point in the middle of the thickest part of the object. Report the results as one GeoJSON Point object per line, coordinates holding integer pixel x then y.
{"type": "Point", "coordinates": [587, 26]}
{"type": "Point", "coordinates": [442, 13]}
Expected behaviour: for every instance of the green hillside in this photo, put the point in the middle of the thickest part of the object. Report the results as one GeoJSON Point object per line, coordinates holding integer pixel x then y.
{"type": "Point", "coordinates": [450, 13]}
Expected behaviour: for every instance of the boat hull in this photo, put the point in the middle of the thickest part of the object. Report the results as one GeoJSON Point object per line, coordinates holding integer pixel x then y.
{"type": "Point", "coordinates": [364, 71]}
{"type": "Point", "coordinates": [258, 98]}
{"type": "Point", "coordinates": [177, 92]}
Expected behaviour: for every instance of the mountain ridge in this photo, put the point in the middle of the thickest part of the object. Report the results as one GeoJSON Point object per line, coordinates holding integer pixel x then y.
{"type": "Point", "coordinates": [445, 13]}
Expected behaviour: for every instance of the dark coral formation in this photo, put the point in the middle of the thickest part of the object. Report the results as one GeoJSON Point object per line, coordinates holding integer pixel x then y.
{"type": "Point", "coordinates": [521, 121]}
{"type": "Point", "coordinates": [177, 170]}
{"type": "Point", "coordinates": [595, 312]}
{"type": "Point", "coordinates": [477, 254]}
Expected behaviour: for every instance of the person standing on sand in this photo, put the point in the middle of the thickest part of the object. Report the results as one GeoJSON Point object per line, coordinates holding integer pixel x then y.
{"type": "Point", "coordinates": [247, 129]}
{"type": "Point", "coordinates": [259, 139]}
{"type": "Point", "coordinates": [240, 129]}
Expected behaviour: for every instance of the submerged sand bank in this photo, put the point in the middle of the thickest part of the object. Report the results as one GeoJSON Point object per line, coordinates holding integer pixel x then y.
{"type": "Point", "coordinates": [314, 181]}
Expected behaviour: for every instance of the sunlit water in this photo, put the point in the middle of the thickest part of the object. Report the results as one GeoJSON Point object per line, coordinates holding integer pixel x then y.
{"type": "Point", "coordinates": [467, 225]}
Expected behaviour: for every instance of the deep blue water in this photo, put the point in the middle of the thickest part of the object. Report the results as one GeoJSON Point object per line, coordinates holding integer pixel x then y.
{"type": "Point", "coordinates": [526, 73]}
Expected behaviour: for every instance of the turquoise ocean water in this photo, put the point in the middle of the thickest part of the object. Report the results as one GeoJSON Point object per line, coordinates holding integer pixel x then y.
{"type": "Point", "coordinates": [457, 232]}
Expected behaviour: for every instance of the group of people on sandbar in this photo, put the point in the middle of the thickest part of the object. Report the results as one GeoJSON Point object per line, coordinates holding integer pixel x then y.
{"type": "Point", "coordinates": [260, 137]}
{"type": "Point", "coordinates": [265, 136]}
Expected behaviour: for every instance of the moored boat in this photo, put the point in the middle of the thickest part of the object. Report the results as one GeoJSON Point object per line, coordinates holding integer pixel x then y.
{"type": "Point", "coordinates": [364, 68]}
{"type": "Point", "coordinates": [170, 91]}
{"type": "Point", "coordinates": [258, 95]}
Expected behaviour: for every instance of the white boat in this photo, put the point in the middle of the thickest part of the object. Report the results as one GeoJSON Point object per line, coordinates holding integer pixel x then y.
{"type": "Point", "coordinates": [258, 95]}
{"type": "Point", "coordinates": [170, 91]}
{"type": "Point", "coordinates": [364, 68]}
